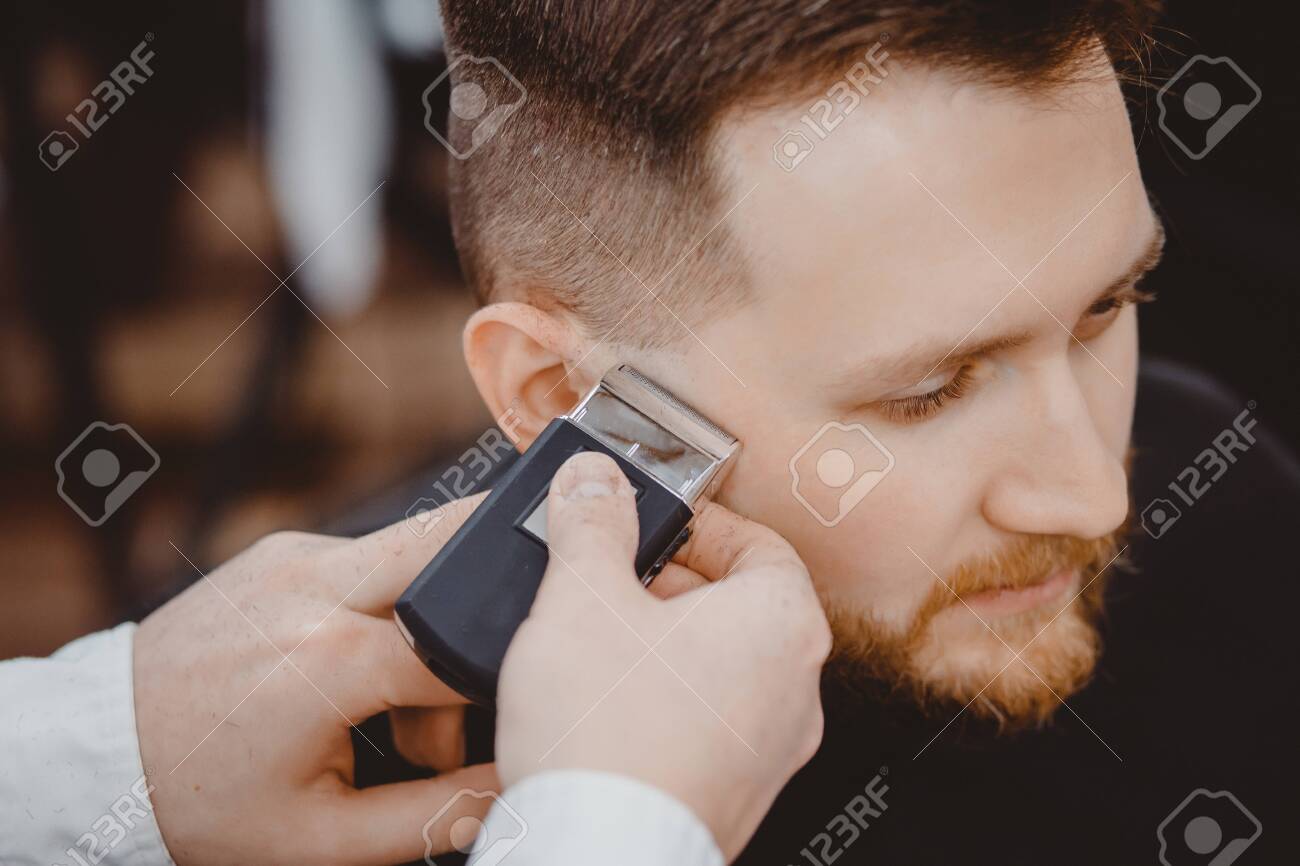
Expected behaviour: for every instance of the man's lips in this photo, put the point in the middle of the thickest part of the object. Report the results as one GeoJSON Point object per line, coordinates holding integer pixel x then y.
{"type": "Point", "coordinates": [1005, 602]}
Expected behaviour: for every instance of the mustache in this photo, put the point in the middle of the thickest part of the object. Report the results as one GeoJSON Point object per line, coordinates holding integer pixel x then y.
{"type": "Point", "coordinates": [1024, 562]}
{"type": "Point", "coordinates": [1031, 559]}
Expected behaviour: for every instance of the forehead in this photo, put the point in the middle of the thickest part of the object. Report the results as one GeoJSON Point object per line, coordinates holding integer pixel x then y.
{"type": "Point", "coordinates": [908, 215]}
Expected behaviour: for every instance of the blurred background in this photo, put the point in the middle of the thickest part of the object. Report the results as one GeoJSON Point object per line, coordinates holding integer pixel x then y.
{"type": "Point", "coordinates": [225, 226]}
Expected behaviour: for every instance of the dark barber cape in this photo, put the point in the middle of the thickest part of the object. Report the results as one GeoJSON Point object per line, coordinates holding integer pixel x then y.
{"type": "Point", "coordinates": [1195, 694]}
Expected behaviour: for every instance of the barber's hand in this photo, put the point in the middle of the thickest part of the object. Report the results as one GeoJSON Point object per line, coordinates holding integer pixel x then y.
{"type": "Point", "coordinates": [727, 706]}
{"type": "Point", "coordinates": [250, 753]}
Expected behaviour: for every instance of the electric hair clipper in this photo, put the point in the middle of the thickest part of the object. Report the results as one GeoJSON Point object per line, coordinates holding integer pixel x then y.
{"type": "Point", "coordinates": [460, 614]}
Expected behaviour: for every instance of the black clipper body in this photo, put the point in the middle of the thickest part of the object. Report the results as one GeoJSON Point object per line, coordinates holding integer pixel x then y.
{"type": "Point", "coordinates": [461, 612]}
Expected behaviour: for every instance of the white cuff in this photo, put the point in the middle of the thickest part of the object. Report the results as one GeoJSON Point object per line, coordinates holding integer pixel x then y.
{"type": "Point", "coordinates": [591, 817]}
{"type": "Point", "coordinates": [72, 790]}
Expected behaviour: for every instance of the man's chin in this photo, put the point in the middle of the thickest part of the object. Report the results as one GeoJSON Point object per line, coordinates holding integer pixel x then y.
{"type": "Point", "coordinates": [1017, 677]}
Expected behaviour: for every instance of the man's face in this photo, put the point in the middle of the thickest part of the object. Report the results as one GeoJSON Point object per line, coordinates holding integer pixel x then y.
{"type": "Point", "coordinates": [885, 271]}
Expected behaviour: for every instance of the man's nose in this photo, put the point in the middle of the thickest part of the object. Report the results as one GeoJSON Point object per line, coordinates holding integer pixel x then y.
{"type": "Point", "coordinates": [1060, 477]}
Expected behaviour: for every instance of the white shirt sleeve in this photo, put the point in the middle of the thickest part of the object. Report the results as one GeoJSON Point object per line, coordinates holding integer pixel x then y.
{"type": "Point", "coordinates": [72, 789]}
{"type": "Point", "coordinates": [582, 817]}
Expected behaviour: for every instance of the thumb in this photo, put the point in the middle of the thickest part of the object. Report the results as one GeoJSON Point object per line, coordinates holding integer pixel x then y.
{"type": "Point", "coordinates": [592, 530]}
{"type": "Point", "coordinates": [404, 821]}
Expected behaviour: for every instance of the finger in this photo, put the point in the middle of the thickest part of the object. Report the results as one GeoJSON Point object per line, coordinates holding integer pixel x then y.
{"type": "Point", "coordinates": [376, 568]}
{"type": "Point", "coordinates": [592, 530]}
{"type": "Point", "coordinates": [382, 672]}
{"type": "Point", "coordinates": [405, 821]}
{"type": "Point", "coordinates": [723, 542]}
{"type": "Point", "coordinates": [674, 580]}
{"type": "Point", "coordinates": [427, 737]}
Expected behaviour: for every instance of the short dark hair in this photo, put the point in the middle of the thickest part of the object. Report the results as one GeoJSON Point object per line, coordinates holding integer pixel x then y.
{"type": "Point", "coordinates": [606, 170]}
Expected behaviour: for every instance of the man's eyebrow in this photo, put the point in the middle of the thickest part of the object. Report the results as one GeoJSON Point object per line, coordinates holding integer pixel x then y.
{"type": "Point", "coordinates": [919, 362]}
{"type": "Point", "coordinates": [1142, 265]}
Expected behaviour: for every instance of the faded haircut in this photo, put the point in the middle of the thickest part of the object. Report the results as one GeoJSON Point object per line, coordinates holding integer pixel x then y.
{"type": "Point", "coordinates": [602, 195]}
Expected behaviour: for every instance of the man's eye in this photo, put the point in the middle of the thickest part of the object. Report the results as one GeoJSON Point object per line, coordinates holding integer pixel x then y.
{"type": "Point", "coordinates": [918, 407]}
{"type": "Point", "coordinates": [1101, 314]}
{"type": "Point", "coordinates": [1105, 306]}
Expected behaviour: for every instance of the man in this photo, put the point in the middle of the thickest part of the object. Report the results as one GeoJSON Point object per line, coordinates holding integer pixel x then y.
{"type": "Point", "coordinates": [899, 242]}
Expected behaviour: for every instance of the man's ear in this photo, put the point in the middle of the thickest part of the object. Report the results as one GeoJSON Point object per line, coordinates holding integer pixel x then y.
{"type": "Point", "coordinates": [523, 361]}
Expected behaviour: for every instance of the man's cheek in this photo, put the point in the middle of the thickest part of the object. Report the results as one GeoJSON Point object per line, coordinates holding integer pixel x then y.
{"type": "Point", "coordinates": [864, 561]}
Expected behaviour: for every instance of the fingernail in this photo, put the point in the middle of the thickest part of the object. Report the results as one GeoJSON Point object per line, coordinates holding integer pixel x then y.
{"type": "Point", "coordinates": [587, 476]}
